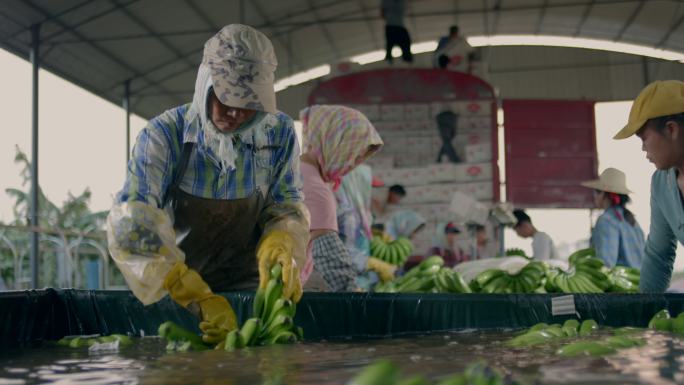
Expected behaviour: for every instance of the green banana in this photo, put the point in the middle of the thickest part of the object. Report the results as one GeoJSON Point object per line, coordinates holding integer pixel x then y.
{"type": "Point", "coordinates": [174, 333]}
{"type": "Point", "coordinates": [579, 254]}
{"type": "Point", "coordinates": [249, 331]}
{"type": "Point", "coordinates": [458, 379]}
{"type": "Point", "coordinates": [259, 300]}
{"type": "Point", "coordinates": [663, 324]}
{"type": "Point", "coordinates": [277, 271]}
{"type": "Point", "coordinates": [619, 342]}
{"type": "Point", "coordinates": [663, 314]}
{"type": "Point", "coordinates": [532, 338]}
{"type": "Point", "coordinates": [571, 327]}
{"type": "Point", "coordinates": [234, 340]}
{"type": "Point", "coordinates": [587, 327]}
{"type": "Point", "coordinates": [278, 321]}
{"type": "Point", "coordinates": [414, 380]}
{"type": "Point", "coordinates": [539, 326]}
{"type": "Point", "coordinates": [585, 348]}
{"type": "Point", "coordinates": [678, 324]}
{"type": "Point", "coordinates": [381, 372]}
{"type": "Point", "coordinates": [486, 276]}
{"type": "Point", "coordinates": [281, 337]}
{"type": "Point", "coordinates": [274, 290]}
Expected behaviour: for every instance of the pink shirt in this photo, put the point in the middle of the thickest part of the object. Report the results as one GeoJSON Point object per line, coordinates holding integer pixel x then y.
{"type": "Point", "coordinates": [319, 199]}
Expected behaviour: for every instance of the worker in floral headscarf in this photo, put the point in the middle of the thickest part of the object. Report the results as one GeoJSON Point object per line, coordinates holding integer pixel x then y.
{"type": "Point", "coordinates": [213, 198]}
{"type": "Point", "coordinates": [336, 140]}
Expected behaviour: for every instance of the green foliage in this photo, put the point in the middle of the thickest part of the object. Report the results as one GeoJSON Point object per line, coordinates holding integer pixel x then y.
{"type": "Point", "coordinates": [67, 224]}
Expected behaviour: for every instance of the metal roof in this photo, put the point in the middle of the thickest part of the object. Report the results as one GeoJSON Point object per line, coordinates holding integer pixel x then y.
{"type": "Point", "coordinates": [157, 44]}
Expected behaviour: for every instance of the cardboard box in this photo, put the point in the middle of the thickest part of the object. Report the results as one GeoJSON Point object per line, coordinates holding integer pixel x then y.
{"type": "Point", "coordinates": [388, 128]}
{"type": "Point", "coordinates": [394, 144]}
{"type": "Point", "coordinates": [475, 153]}
{"type": "Point", "coordinates": [408, 176]}
{"type": "Point", "coordinates": [416, 112]}
{"type": "Point", "coordinates": [410, 160]}
{"type": "Point", "coordinates": [372, 111]}
{"type": "Point", "coordinates": [467, 124]}
{"type": "Point", "coordinates": [392, 112]}
{"type": "Point", "coordinates": [478, 137]}
{"type": "Point", "coordinates": [437, 107]}
{"type": "Point", "coordinates": [459, 172]}
{"type": "Point", "coordinates": [383, 161]}
{"type": "Point", "coordinates": [477, 107]}
{"type": "Point", "coordinates": [418, 145]}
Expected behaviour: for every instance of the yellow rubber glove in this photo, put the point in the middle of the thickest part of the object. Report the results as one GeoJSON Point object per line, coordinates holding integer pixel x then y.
{"type": "Point", "coordinates": [385, 270]}
{"type": "Point", "coordinates": [278, 247]}
{"type": "Point", "coordinates": [185, 286]}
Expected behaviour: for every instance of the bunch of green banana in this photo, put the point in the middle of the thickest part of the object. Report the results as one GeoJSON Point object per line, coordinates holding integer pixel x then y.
{"type": "Point", "coordinates": [273, 318]}
{"type": "Point", "coordinates": [662, 321]}
{"type": "Point", "coordinates": [420, 279]}
{"type": "Point", "coordinates": [180, 339]}
{"type": "Point", "coordinates": [384, 372]}
{"type": "Point", "coordinates": [541, 333]}
{"type": "Point", "coordinates": [624, 279]}
{"type": "Point", "coordinates": [515, 252]}
{"type": "Point", "coordinates": [87, 341]}
{"type": "Point", "coordinates": [449, 281]}
{"type": "Point", "coordinates": [394, 252]}
{"type": "Point", "coordinates": [528, 280]}
{"type": "Point", "coordinates": [585, 275]}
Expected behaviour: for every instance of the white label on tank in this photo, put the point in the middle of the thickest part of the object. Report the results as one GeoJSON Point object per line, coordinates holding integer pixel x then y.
{"type": "Point", "coordinates": [563, 305]}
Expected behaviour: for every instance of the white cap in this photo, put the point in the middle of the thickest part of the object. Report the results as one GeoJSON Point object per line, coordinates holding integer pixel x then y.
{"type": "Point", "coordinates": [242, 63]}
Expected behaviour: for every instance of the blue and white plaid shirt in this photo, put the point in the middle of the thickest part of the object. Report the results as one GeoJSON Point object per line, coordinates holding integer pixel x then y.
{"type": "Point", "coordinates": [616, 241]}
{"type": "Point", "coordinates": [267, 161]}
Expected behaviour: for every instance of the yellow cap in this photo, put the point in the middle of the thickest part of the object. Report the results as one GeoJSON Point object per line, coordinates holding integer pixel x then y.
{"type": "Point", "coordinates": [660, 98]}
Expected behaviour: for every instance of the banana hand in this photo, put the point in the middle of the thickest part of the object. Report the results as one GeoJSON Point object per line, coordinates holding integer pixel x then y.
{"type": "Point", "coordinates": [278, 247]}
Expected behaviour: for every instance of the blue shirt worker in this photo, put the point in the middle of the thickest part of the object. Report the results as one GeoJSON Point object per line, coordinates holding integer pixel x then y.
{"type": "Point", "coordinates": [213, 195]}
{"type": "Point", "coordinates": [657, 118]}
{"type": "Point", "coordinates": [617, 237]}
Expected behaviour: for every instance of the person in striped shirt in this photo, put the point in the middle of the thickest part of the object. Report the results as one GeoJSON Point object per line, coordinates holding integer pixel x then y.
{"type": "Point", "coordinates": [213, 194]}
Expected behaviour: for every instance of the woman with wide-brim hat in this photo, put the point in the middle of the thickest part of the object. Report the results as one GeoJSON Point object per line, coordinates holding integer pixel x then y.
{"type": "Point", "coordinates": [617, 237]}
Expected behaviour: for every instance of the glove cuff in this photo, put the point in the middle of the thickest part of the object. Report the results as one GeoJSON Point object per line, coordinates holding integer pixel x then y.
{"type": "Point", "coordinates": [185, 285]}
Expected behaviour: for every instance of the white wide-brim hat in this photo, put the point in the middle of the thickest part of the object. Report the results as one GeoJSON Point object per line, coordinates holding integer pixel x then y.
{"type": "Point", "coordinates": [611, 180]}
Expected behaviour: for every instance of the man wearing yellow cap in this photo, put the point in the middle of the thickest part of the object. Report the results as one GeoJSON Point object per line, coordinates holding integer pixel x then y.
{"type": "Point", "coordinates": [657, 118]}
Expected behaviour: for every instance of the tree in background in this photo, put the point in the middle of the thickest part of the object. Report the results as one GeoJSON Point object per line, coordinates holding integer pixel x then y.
{"type": "Point", "coordinates": [70, 236]}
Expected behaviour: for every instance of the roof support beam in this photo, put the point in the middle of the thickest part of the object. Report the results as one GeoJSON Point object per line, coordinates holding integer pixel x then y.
{"type": "Point", "coordinates": [670, 31]}
{"type": "Point", "coordinates": [630, 20]}
{"type": "Point", "coordinates": [35, 66]}
{"type": "Point", "coordinates": [542, 13]}
{"type": "Point", "coordinates": [53, 17]}
{"type": "Point", "coordinates": [179, 55]}
{"type": "Point", "coordinates": [83, 22]}
{"type": "Point", "coordinates": [326, 33]}
{"type": "Point", "coordinates": [353, 17]}
{"type": "Point", "coordinates": [288, 49]}
{"type": "Point", "coordinates": [110, 56]}
{"type": "Point", "coordinates": [371, 30]}
{"type": "Point", "coordinates": [584, 18]}
{"type": "Point", "coordinates": [497, 15]}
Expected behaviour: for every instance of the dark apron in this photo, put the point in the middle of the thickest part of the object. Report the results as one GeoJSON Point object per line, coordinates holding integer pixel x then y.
{"type": "Point", "coordinates": [218, 236]}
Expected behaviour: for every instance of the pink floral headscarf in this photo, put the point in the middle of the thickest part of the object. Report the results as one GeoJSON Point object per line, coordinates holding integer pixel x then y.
{"type": "Point", "coordinates": [340, 138]}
